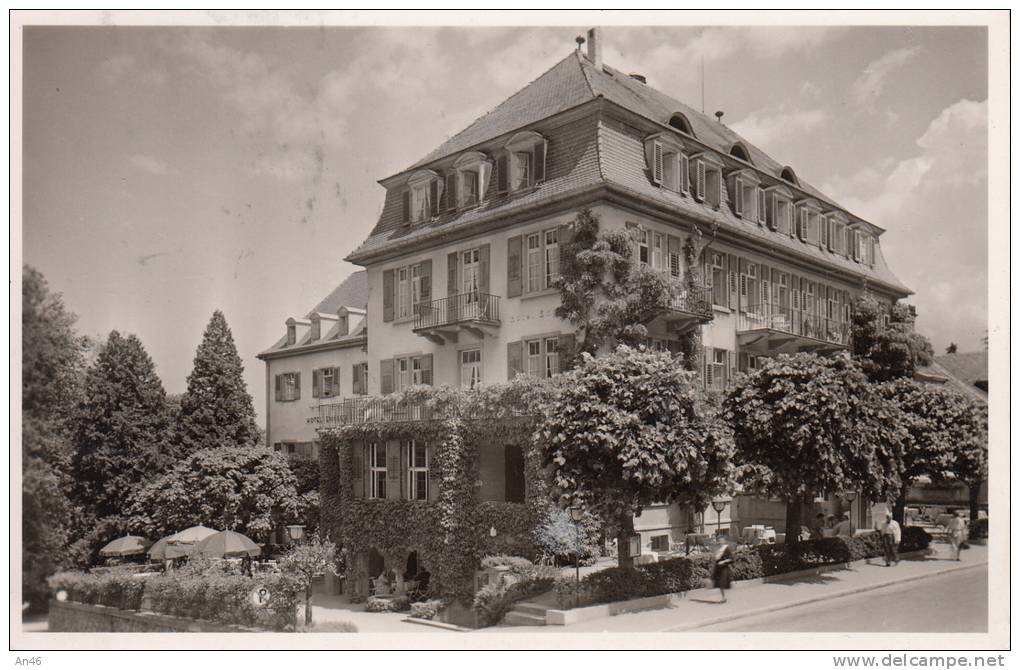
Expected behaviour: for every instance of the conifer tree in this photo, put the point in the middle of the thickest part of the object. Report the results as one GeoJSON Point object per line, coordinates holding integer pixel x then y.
{"type": "Point", "coordinates": [120, 435]}
{"type": "Point", "coordinates": [51, 366]}
{"type": "Point", "coordinates": [216, 409]}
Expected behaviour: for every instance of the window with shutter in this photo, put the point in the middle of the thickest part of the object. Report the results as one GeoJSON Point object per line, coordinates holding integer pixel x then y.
{"type": "Point", "coordinates": [761, 205]}
{"type": "Point", "coordinates": [316, 383]}
{"type": "Point", "coordinates": [738, 197]}
{"type": "Point", "coordinates": [279, 387]}
{"type": "Point", "coordinates": [699, 179]}
{"type": "Point", "coordinates": [451, 191]}
{"type": "Point", "coordinates": [388, 289]}
{"type": "Point", "coordinates": [514, 248]}
{"type": "Point", "coordinates": [685, 174]}
{"type": "Point", "coordinates": [657, 162]}
{"type": "Point", "coordinates": [669, 163]}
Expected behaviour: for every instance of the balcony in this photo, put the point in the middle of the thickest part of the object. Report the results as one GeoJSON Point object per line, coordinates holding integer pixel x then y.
{"type": "Point", "coordinates": [393, 409]}
{"type": "Point", "coordinates": [772, 329]}
{"type": "Point", "coordinates": [443, 320]}
{"type": "Point", "coordinates": [690, 307]}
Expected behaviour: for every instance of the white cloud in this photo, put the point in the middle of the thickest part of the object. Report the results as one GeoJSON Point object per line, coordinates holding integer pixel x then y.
{"type": "Point", "coordinates": [934, 206]}
{"type": "Point", "coordinates": [771, 128]}
{"type": "Point", "coordinates": [868, 87]}
{"type": "Point", "coordinates": [151, 165]}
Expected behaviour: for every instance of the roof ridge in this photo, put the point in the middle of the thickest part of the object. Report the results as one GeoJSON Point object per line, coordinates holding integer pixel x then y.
{"type": "Point", "coordinates": [580, 64]}
{"type": "Point", "coordinates": [429, 157]}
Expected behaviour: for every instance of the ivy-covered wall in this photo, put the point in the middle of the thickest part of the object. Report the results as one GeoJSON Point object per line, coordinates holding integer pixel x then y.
{"type": "Point", "coordinates": [450, 533]}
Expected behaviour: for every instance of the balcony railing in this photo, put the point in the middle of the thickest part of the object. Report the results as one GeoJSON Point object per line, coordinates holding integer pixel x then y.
{"type": "Point", "coordinates": [695, 300]}
{"type": "Point", "coordinates": [769, 316]}
{"type": "Point", "coordinates": [471, 307]}
{"type": "Point", "coordinates": [388, 409]}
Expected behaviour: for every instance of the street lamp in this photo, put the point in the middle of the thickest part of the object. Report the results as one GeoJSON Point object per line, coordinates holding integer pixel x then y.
{"type": "Point", "coordinates": [492, 531]}
{"type": "Point", "coordinates": [576, 513]}
{"type": "Point", "coordinates": [719, 506]}
{"type": "Point", "coordinates": [850, 497]}
{"type": "Point", "coordinates": [295, 533]}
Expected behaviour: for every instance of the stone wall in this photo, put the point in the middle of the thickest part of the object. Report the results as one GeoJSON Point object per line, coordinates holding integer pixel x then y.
{"type": "Point", "coordinates": [71, 617]}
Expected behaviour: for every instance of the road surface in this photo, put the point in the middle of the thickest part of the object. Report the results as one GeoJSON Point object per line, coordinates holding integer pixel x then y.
{"type": "Point", "coordinates": [953, 603]}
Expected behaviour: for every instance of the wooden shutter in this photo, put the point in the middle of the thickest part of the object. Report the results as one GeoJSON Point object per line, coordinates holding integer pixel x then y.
{"type": "Point", "coordinates": [657, 162]}
{"type": "Point", "coordinates": [513, 470]}
{"type": "Point", "coordinates": [565, 344]}
{"type": "Point", "coordinates": [426, 369]}
{"type": "Point", "coordinates": [451, 191]}
{"type": "Point", "coordinates": [279, 387]}
{"type": "Point", "coordinates": [514, 262]}
{"type": "Point", "coordinates": [425, 273]}
{"type": "Point", "coordinates": [297, 386]}
{"type": "Point", "coordinates": [540, 151]}
{"type": "Point", "coordinates": [709, 357]}
{"type": "Point", "coordinates": [393, 469]}
{"type": "Point", "coordinates": [738, 198]}
{"type": "Point", "coordinates": [386, 376]}
{"type": "Point", "coordinates": [434, 197]}
{"type": "Point", "coordinates": [674, 248]}
{"type": "Point", "coordinates": [731, 365]}
{"type": "Point", "coordinates": [762, 206]}
{"type": "Point", "coordinates": [451, 287]}
{"type": "Point", "coordinates": [405, 211]}
{"type": "Point", "coordinates": [701, 179]}
{"type": "Point", "coordinates": [514, 359]}
{"type": "Point", "coordinates": [358, 469]}
{"type": "Point", "coordinates": [316, 383]}
{"type": "Point", "coordinates": [565, 237]}
{"type": "Point", "coordinates": [387, 295]}
{"type": "Point", "coordinates": [502, 173]}
{"type": "Point", "coordinates": [356, 379]}
{"type": "Point", "coordinates": [483, 268]}
{"type": "Point", "coordinates": [731, 277]}
{"type": "Point", "coordinates": [685, 173]}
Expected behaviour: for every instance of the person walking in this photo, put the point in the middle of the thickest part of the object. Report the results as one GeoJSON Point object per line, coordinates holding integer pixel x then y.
{"type": "Point", "coordinates": [722, 574]}
{"type": "Point", "coordinates": [957, 530]}
{"type": "Point", "coordinates": [891, 535]}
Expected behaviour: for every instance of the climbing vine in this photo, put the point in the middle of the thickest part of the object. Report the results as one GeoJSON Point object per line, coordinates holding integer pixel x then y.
{"type": "Point", "coordinates": [452, 532]}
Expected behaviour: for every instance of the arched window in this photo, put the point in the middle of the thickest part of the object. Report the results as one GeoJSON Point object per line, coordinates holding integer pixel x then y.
{"type": "Point", "coordinates": [738, 150]}
{"type": "Point", "coordinates": [680, 122]}
{"type": "Point", "coordinates": [788, 175]}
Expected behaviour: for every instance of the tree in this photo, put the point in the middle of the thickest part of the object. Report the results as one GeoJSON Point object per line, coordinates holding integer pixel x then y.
{"type": "Point", "coordinates": [247, 489]}
{"type": "Point", "coordinates": [120, 433]}
{"type": "Point", "coordinates": [306, 475]}
{"type": "Point", "coordinates": [604, 291]}
{"type": "Point", "coordinates": [308, 560]}
{"type": "Point", "coordinates": [951, 349]}
{"type": "Point", "coordinates": [887, 351]}
{"type": "Point", "coordinates": [52, 358]}
{"type": "Point", "coordinates": [630, 429]}
{"type": "Point", "coordinates": [216, 410]}
{"type": "Point", "coordinates": [804, 425]}
{"type": "Point", "coordinates": [936, 419]}
{"type": "Point", "coordinates": [970, 455]}
{"type": "Point", "coordinates": [559, 536]}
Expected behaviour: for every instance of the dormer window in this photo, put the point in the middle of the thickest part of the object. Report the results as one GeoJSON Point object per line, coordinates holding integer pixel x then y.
{"type": "Point", "coordinates": [807, 223]}
{"type": "Point", "coordinates": [680, 122]}
{"type": "Point", "coordinates": [824, 221]}
{"type": "Point", "coordinates": [668, 165]}
{"type": "Point", "coordinates": [342, 323]}
{"type": "Point", "coordinates": [744, 194]}
{"type": "Point", "coordinates": [523, 164]}
{"type": "Point", "coordinates": [291, 334]}
{"type": "Point", "coordinates": [421, 200]}
{"type": "Point", "coordinates": [468, 182]}
{"type": "Point", "coordinates": [779, 212]}
{"type": "Point", "coordinates": [706, 179]}
{"type": "Point", "coordinates": [316, 328]}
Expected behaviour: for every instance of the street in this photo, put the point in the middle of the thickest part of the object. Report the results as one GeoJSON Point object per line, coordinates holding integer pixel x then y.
{"type": "Point", "coordinates": [953, 603]}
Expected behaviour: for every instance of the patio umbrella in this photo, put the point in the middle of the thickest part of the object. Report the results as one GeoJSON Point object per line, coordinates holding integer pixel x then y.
{"type": "Point", "coordinates": [179, 544]}
{"type": "Point", "coordinates": [192, 535]}
{"type": "Point", "coordinates": [129, 545]}
{"type": "Point", "coordinates": [226, 544]}
{"type": "Point", "coordinates": [157, 552]}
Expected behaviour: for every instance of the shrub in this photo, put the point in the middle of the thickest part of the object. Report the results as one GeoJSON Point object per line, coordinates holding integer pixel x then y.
{"type": "Point", "coordinates": [503, 560]}
{"type": "Point", "coordinates": [493, 601]}
{"type": "Point", "coordinates": [427, 609]}
{"type": "Point", "coordinates": [914, 538]}
{"type": "Point", "coordinates": [112, 590]}
{"type": "Point", "coordinates": [979, 529]}
{"type": "Point", "coordinates": [398, 604]}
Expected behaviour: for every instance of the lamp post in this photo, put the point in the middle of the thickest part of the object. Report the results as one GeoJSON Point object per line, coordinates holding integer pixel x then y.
{"type": "Point", "coordinates": [850, 497]}
{"type": "Point", "coordinates": [295, 533]}
{"type": "Point", "coordinates": [575, 515]}
{"type": "Point", "coordinates": [719, 506]}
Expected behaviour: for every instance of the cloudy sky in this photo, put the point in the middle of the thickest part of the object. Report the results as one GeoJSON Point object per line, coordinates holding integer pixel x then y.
{"type": "Point", "coordinates": [169, 172]}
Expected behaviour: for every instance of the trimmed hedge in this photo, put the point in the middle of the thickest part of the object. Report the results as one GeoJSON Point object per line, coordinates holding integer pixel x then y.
{"type": "Point", "coordinates": [677, 575]}
{"type": "Point", "coordinates": [197, 592]}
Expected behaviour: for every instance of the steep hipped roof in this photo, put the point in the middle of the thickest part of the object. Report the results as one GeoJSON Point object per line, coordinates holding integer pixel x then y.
{"type": "Point", "coordinates": [962, 371]}
{"type": "Point", "coordinates": [591, 154]}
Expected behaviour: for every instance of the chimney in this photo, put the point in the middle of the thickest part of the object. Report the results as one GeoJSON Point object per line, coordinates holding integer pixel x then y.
{"type": "Point", "coordinates": [595, 46]}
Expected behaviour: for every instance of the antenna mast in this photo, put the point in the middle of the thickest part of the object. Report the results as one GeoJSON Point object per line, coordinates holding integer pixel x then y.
{"type": "Point", "coordinates": [702, 84]}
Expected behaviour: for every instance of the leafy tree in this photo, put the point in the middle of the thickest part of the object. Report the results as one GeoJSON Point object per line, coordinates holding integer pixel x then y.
{"type": "Point", "coordinates": [951, 349]}
{"type": "Point", "coordinates": [887, 351]}
{"type": "Point", "coordinates": [805, 424]}
{"type": "Point", "coordinates": [216, 410]}
{"type": "Point", "coordinates": [604, 291]}
{"type": "Point", "coordinates": [306, 475]}
{"type": "Point", "coordinates": [630, 429]}
{"type": "Point", "coordinates": [558, 536]}
{"type": "Point", "coordinates": [52, 358]}
{"type": "Point", "coordinates": [308, 560]}
{"type": "Point", "coordinates": [938, 421]}
{"type": "Point", "coordinates": [970, 455]}
{"type": "Point", "coordinates": [247, 489]}
{"type": "Point", "coordinates": [120, 433]}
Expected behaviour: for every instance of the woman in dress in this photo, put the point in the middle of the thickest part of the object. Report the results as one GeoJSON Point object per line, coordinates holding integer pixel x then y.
{"type": "Point", "coordinates": [957, 530]}
{"type": "Point", "coordinates": [723, 573]}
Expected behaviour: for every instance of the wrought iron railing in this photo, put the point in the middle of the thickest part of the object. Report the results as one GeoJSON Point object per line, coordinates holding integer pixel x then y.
{"type": "Point", "coordinates": [769, 316]}
{"type": "Point", "coordinates": [693, 300]}
{"type": "Point", "coordinates": [460, 308]}
{"type": "Point", "coordinates": [392, 409]}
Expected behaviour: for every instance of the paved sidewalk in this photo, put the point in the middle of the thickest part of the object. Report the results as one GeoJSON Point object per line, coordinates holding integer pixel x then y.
{"type": "Point", "coordinates": [701, 608]}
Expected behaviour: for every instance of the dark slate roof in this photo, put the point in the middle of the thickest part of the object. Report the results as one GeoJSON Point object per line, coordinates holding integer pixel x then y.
{"type": "Point", "coordinates": [969, 368]}
{"type": "Point", "coordinates": [352, 292]}
{"type": "Point", "coordinates": [588, 153]}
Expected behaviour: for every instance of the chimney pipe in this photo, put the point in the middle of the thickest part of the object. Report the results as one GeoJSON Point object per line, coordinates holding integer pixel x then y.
{"type": "Point", "coordinates": [595, 46]}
